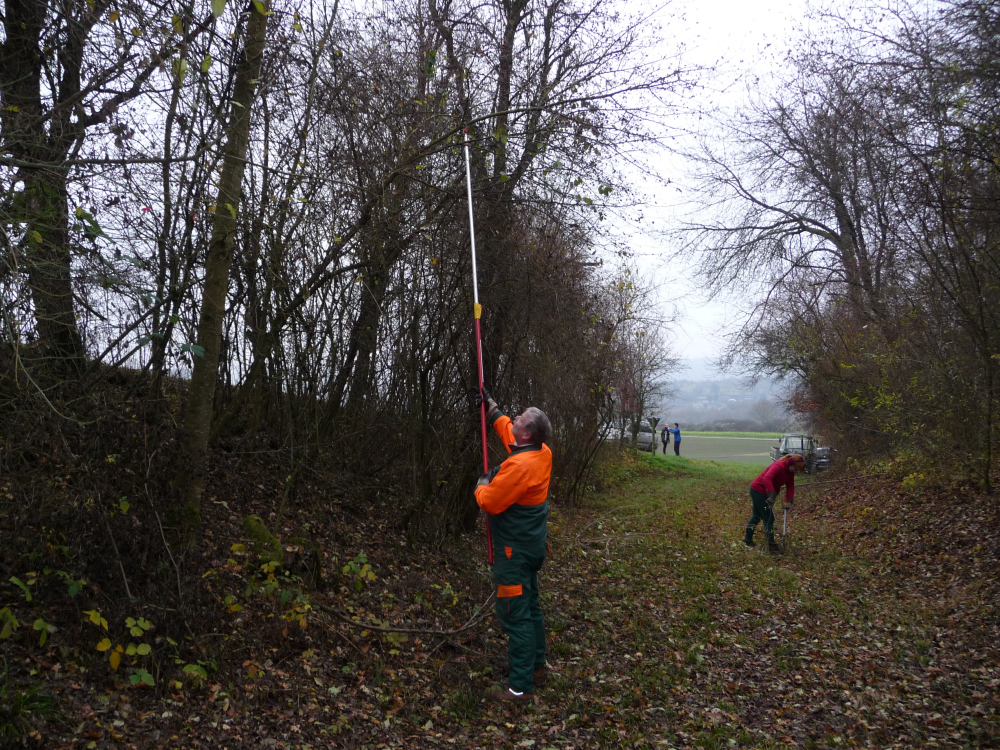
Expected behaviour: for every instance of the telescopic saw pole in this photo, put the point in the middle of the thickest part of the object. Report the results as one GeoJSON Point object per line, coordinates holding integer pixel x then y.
{"type": "Point", "coordinates": [478, 310]}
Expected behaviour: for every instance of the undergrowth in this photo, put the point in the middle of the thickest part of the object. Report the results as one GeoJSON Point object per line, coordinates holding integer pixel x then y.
{"type": "Point", "coordinates": [23, 710]}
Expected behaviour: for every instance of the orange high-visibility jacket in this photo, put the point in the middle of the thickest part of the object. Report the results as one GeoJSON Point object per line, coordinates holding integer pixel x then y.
{"type": "Point", "coordinates": [517, 498]}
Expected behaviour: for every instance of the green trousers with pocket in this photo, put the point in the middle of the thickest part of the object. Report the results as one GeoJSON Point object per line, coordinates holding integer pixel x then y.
{"type": "Point", "coordinates": [515, 572]}
{"type": "Point", "coordinates": [761, 512]}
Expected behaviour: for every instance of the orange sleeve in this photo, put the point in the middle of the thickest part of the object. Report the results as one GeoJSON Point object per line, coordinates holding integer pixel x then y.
{"type": "Point", "coordinates": [505, 429]}
{"type": "Point", "coordinates": [507, 486]}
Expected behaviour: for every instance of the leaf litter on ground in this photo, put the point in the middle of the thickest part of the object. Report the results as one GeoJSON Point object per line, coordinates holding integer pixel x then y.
{"type": "Point", "coordinates": [877, 628]}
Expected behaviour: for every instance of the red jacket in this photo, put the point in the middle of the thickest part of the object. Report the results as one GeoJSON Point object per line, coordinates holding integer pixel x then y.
{"type": "Point", "coordinates": [774, 477]}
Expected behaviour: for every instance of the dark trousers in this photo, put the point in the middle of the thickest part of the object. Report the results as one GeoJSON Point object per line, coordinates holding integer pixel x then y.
{"type": "Point", "coordinates": [520, 613]}
{"type": "Point", "coordinates": [761, 512]}
{"type": "Point", "coordinates": [665, 444]}
{"type": "Point", "coordinates": [677, 447]}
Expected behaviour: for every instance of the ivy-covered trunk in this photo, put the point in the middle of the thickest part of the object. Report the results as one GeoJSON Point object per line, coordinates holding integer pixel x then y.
{"type": "Point", "coordinates": [39, 137]}
{"type": "Point", "coordinates": [49, 269]}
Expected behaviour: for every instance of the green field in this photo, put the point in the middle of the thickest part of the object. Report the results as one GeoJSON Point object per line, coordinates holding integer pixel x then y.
{"type": "Point", "coordinates": [768, 435]}
{"type": "Point", "coordinates": [750, 450]}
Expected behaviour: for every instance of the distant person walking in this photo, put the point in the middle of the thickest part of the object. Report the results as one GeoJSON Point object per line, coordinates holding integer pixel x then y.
{"type": "Point", "coordinates": [665, 435]}
{"type": "Point", "coordinates": [676, 432]}
{"type": "Point", "coordinates": [764, 492]}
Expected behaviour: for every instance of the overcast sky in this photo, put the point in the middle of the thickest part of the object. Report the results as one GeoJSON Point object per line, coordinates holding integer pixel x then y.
{"type": "Point", "coordinates": [743, 41]}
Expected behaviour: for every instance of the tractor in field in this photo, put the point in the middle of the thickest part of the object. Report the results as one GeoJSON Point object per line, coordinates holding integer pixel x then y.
{"type": "Point", "coordinates": [817, 456]}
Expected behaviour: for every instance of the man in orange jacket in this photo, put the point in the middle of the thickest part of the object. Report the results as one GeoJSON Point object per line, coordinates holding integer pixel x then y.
{"type": "Point", "coordinates": [516, 498]}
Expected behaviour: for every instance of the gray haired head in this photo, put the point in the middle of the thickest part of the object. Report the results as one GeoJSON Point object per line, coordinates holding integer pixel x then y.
{"type": "Point", "coordinates": [538, 425]}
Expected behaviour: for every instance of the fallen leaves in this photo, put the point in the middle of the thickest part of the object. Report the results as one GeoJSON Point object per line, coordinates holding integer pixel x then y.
{"type": "Point", "coordinates": [663, 634]}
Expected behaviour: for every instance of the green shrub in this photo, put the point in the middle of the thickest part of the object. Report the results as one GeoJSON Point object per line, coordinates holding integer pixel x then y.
{"type": "Point", "coordinates": [265, 544]}
{"type": "Point", "coordinates": [18, 707]}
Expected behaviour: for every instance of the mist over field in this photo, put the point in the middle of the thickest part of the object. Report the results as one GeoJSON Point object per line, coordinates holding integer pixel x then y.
{"type": "Point", "coordinates": [703, 398]}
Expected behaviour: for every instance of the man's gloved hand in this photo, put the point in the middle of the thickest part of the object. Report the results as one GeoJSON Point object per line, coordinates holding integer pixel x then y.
{"type": "Point", "coordinates": [483, 395]}
{"type": "Point", "coordinates": [771, 497]}
{"type": "Point", "coordinates": [483, 480]}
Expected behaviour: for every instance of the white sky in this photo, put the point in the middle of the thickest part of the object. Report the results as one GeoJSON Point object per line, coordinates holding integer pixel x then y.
{"type": "Point", "coordinates": [742, 41]}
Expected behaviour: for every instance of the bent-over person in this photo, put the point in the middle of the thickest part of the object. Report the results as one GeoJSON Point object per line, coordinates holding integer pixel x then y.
{"type": "Point", "coordinates": [764, 492]}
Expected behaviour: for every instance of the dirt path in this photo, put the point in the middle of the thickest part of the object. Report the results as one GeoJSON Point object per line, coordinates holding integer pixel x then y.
{"type": "Point", "coordinates": [696, 641]}
{"type": "Point", "coordinates": [668, 632]}
{"type": "Point", "coordinates": [665, 631]}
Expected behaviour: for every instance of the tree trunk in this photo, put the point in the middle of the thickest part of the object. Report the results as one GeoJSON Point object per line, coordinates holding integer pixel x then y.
{"type": "Point", "coordinates": [43, 205]}
{"type": "Point", "coordinates": [988, 452]}
{"type": "Point", "coordinates": [161, 311]}
{"type": "Point", "coordinates": [198, 415]}
{"type": "Point", "coordinates": [49, 269]}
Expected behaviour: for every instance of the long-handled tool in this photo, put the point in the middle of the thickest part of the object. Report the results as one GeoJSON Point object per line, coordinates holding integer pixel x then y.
{"type": "Point", "coordinates": [478, 310]}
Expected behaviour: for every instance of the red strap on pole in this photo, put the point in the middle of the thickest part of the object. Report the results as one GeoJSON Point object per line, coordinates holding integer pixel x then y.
{"type": "Point", "coordinates": [482, 407]}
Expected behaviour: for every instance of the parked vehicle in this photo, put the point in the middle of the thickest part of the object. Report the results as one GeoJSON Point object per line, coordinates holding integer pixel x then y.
{"type": "Point", "coordinates": [610, 433]}
{"type": "Point", "coordinates": [817, 456]}
{"type": "Point", "coordinates": [645, 438]}
{"type": "Point", "coordinates": [823, 457]}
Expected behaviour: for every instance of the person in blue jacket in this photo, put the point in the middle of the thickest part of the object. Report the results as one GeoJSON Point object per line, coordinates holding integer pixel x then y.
{"type": "Point", "coordinates": [676, 432]}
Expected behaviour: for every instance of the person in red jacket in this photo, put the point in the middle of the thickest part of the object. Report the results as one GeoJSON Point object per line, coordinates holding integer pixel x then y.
{"type": "Point", "coordinates": [764, 491]}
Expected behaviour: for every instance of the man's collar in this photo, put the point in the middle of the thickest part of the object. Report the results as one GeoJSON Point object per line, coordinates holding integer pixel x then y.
{"type": "Point", "coordinates": [525, 448]}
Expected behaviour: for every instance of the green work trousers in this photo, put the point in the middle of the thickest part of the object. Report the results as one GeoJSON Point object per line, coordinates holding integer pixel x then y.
{"type": "Point", "coordinates": [515, 573]}
{"type": "Point", "coordinates": [761, 512]}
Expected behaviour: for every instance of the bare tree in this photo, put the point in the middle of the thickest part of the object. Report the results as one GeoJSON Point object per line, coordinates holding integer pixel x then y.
{"type": "Point", "coordinates": [297, 260]}
{"type": "Point", "coordinates": [68, 71]}
{"type": "Point", "coordinates": [198, 415]}
{"type": "Point", "coordinates": [861, 200]}
{"type": "Point", "coordinates": [764, 411]}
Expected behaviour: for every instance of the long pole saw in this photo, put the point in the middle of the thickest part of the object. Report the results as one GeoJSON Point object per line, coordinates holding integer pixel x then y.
{"type": "Point", "coordinates": [478, 310]}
